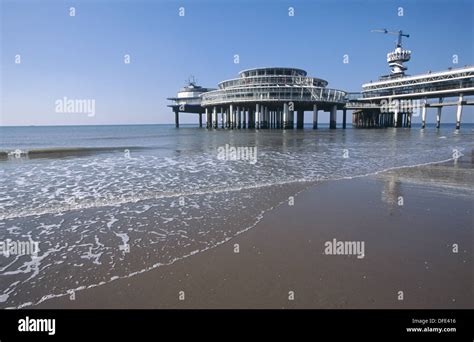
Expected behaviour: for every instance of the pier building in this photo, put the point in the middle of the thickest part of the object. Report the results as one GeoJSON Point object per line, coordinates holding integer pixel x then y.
{"type": "Point", "coordinates": [188, 100]}
{"type": "Point", "coordinates": [270, 97]}
{"type": "Point", "coordinates": [395, 98]}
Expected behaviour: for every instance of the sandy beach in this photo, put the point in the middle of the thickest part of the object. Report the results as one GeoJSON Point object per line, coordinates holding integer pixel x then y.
{"type": "Point", "coordinates": [281, 263]}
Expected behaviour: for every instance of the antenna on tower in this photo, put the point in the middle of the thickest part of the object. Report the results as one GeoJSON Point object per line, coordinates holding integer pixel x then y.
{"type": "Point", "coordinates": [191, 80]}
{"type": "Point", "coordinates": [397, 57]}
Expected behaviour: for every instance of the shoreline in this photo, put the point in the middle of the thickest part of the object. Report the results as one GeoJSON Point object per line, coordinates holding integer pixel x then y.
{"type": "Point", "coordinates": [258, 277]}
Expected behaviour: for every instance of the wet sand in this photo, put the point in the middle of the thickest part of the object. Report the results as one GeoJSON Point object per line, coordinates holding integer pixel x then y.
{"type": "Point", "coordinates": [408, 247]}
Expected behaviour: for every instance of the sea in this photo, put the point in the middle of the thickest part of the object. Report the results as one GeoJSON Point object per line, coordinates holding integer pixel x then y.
{"type": "Point", "coordinates": [109, 202]}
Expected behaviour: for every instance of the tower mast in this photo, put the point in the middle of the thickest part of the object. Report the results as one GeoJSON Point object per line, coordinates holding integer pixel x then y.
{"type": "Point", "coordinates": [397, 57]}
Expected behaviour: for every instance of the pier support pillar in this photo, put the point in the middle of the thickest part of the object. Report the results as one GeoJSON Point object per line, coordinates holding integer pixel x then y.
{"type": "Point", "coordinates": [200, 120]}
{"type": "Point", "coordinates": [300, 119]}
{"type": "Point", "coordinates": [281, 118]}
{"type": "Point", "coordinates": [176, 118]}
{"type": "Point", "coordinates": [252, 121]}
{"type": "Point", "coordinates": [214, 117]}
{"type": "Point", "coordinates": [257, 116]}
{"type": "Point", "coordinates": [208, 118]}
{"type": "Point", "coordinates": [285, 116]}
{"type": "Point", "coordinates": [231, 114]}
{"type": "Point", "coordinates": [266, 118]}
{"type": "Point", "coordinates": [423, 116]}
{"type": "Point", "coordinates": [344, 118]}
{"type": "Point", "coordinates": [315, 116]}
{"type": "Point", "coordinates": [438, 115]}
{"type": "Point", "coordinates": [249, 123]}
{"type": "Point", "coordinates": [239, 117]}
{"type": "Point", "coordinates": [236, 112]}
{"type": "Point", "coordinates": [333, 117]}
{"type": "Point", "coordinates": [459, 112]}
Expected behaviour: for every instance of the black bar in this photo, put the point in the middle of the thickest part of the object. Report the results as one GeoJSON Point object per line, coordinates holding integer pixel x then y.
{"type": "Point", "coordinates": [316, 325]}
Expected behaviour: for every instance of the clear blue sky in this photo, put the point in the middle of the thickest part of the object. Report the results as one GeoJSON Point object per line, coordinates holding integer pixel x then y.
{"type": "Point", "coordinates": [82, 57]}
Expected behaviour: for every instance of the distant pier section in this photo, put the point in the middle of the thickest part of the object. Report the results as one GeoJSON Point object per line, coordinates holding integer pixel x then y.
{"type": "Point", "coordinates": [393, 99]}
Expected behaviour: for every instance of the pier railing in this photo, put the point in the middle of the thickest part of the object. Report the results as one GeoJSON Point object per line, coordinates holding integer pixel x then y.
{"type": "Point", "coordinates": [456, 87]}
{"type": "Point", "coordinates": [451, 78]}
{"type": "Point", "coordinates": [361, 105]}
{"type": "Point", "coordinates": [272, 81]}
{"type": "Point", "coordinates": [273, 94]}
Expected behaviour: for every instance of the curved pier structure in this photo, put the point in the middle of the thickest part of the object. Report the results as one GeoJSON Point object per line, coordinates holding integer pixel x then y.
{"type": "Point", "coordinates": [268, 98]}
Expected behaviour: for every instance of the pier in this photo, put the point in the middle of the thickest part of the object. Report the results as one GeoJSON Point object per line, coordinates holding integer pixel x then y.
{"type": "Point", "coordinates": [392, 103]}
{"type": "Point", "coordinates": [395, 98]}
{"type": "Point", "coordinates": [188, 100]}
{"type": "Point", "coordinates": [271, 98]}
{"type": "Point", "coordinates": [279, 97]}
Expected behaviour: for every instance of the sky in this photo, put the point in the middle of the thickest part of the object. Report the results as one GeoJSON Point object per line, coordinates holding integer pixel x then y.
{"type": "Point", "coordinates": [82, 56]}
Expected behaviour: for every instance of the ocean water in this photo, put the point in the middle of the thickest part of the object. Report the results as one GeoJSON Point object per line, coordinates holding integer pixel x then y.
{"type": "Point", "coordinates": [108, 202]}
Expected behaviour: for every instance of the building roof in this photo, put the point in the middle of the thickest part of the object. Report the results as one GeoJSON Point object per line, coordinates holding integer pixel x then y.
{"type": "Point", "coordinates": [420, 78]}
{"type": "Point", "coordinates": [276, 71]}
